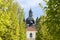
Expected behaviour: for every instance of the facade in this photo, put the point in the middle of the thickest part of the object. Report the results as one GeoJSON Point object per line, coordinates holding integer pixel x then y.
{"type": "Point", "coordinates": [30, 27]}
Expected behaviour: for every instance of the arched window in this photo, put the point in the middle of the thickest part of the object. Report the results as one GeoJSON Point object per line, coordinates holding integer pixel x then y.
{"type": "Point", "coordinates": [30, 35]}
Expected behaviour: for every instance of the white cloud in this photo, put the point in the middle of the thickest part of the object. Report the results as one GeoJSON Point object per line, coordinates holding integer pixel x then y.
{"type": "Point", "coordinates": [29, 3]}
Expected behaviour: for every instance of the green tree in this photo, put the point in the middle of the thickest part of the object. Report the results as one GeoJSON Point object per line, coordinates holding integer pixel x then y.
{"type": "Point", "coordinates": [12, 26]}
{"type": "Point", "coordinates": [53, 18]}
{"type": "Point", "coordinates": [50, 27]}
{"type": "Point", "coordinates": [42, 32]}
{"type": "Point", "coordinates": [4, 19]}
{"type": "Point", "coordinates": [22, 29]}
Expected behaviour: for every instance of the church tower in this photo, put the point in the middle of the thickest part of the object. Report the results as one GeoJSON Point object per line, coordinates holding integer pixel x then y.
{"type": "Point", "coordinates": [30, 29]}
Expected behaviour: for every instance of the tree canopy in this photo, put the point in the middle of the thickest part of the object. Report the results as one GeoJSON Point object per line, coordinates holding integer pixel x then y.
{"type": "Point", "coordinates": [11, 24]}
{"type": "Point", "coordinates": [49, 24]}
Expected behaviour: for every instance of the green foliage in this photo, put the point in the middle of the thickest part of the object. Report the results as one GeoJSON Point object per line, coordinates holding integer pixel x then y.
{"type": "Point", "coordinates": [11, 27]}
{"type": "Point", "coordinates": [49, 25]}
{"type": "Point", "coordinates": [53, 18]}
{"type": "Point", "coordinates": [22, 29]}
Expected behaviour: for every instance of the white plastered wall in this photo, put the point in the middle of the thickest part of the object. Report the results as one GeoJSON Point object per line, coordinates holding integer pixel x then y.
{"type": "Point", "coordinates": [33, 34]}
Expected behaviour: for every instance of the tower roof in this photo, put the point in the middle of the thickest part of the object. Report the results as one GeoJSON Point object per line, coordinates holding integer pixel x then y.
{"type": "Point", "coordinates": [31, 28]}
{"type": "Point", "coordinates": [30, 19]}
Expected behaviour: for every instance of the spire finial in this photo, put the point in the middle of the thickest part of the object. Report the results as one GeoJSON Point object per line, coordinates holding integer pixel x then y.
{"type": "Point", "coordinates": [30, 13]}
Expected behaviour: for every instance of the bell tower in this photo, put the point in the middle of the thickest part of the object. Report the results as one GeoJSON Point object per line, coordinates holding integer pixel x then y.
{"type": "Point", "coordinates": [30, 28]}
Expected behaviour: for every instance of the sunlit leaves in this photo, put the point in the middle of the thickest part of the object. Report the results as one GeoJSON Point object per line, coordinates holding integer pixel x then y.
{"type": "Point", "coordinates": [50, 28]}
{"type": "Point", "coordinates": [21, 25]}
{"type": "Point", "coordinates": [10, 25]}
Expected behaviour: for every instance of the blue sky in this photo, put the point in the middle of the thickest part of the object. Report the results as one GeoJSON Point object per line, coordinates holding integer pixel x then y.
{"type": "Point", "coordinates": [34, 5]}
